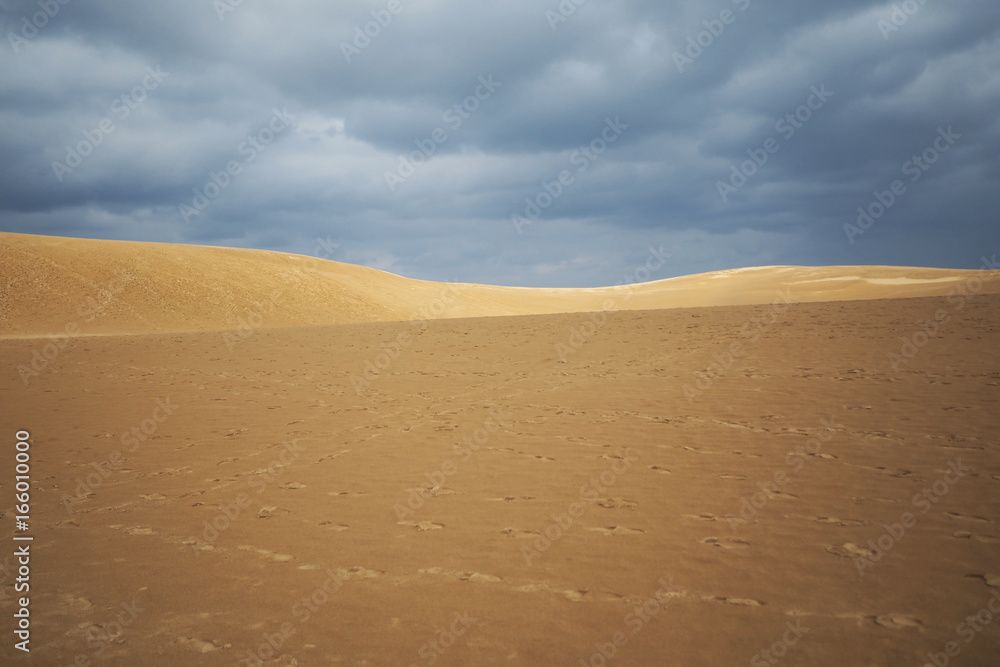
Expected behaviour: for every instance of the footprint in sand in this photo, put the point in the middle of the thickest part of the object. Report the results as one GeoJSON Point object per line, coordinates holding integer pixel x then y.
{"type": "Point", "coordinates": [479, 578]}
{"type": "Point", "coordinates": [985, 539]}
{"type": "Point", "coordinates": [77, 605]}
{"type": "Point", "coordinates": [422, 525]}
{"type": "Point", "coordinates": [992, 580]}
{"type": "Point", "coordinates": [330, 525]}
{"type": "Point", "coordinates": [575, 596]}
{"type": "Point", "coordinates": [704, 516]}
{"type": "Point", "coordinates": [197, 645]}
{"type": "Point", "coordinates": [521, 534]}
{"type": "Point", "coordinates": [270, 555]}
{"type": "Point", "coordinates": [618, 530]}
{"type": "Point", "coordinates": [152, 497]}
{"type": "Point", "coordinates": [836, 521]}
{"type": "Point", "coordinates": [292, 485]}
{"type": "Point", "coordinates": [474, 577]}
{"type": "Point", "coordinates": [863, 501]}
{"type": "Point", "coordinates": [332, 456]}
{"type": "Point", "coordinates": [755, 429]}
{"type": "Point", "coordinates": [726, 542]}
{"type": "Point", "coordinates": [617, 504]}
{"type": "Point", "coordinates": [360, 572]}
{"type": "Point", "coordinates": [738, 602]}
{"type": "Point", "coordinates": [661, 470]}
{"type": "Point", "coordinates": [271, 511]}
{"type": "Point", "coordinates": [849, 550]}
{"type": "Point", "coordinates": [197, 545]}
{"type": "Point", "coordinates": [784, 495]}
{"type": "Point", "coordinates": [967, 517]}
{"type": "Point", "coordinates": [700, 451]}
{"type": "Point", "coordinates": [730, 475]}
{"type": "Point", "coordinates": [897, 621]}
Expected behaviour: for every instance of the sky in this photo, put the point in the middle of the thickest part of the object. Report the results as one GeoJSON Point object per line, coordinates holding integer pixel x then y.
{"type": "Point", "coordinates": [531, 143]}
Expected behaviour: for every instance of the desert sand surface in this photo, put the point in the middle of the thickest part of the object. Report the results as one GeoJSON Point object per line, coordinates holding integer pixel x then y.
{"type": "Point", "coordinates": [777, 481]}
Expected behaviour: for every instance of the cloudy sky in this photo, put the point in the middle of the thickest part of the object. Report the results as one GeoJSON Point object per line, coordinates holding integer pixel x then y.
{"type": "Point", "coordinates": [519, 142]}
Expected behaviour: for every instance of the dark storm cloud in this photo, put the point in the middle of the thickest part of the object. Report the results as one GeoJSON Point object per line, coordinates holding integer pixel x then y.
{"type": "Point", "coordinates": [610, 127]}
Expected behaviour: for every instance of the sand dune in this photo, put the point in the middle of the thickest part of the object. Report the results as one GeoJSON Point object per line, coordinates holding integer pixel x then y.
{"type": "Point", "coordinates": [111, 287]}
{"type": "Point", "coordinates": [791, 484]}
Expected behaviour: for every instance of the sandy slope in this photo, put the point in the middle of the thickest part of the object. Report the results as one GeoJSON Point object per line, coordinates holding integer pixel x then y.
{"type": "Point", "coordinates": [788, 484]}
{"type": "Point", "coordinates": [49, 285]}
{"type": "Point", "coordinates": [515, 508]}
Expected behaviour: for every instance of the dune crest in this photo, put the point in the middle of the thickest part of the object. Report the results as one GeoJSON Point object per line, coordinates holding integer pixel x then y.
{"type": "Point", "coordinates": [52, 284]}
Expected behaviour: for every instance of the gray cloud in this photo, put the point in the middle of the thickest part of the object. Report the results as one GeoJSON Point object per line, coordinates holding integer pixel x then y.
{"type": "Point", "coordinates": [698, 85]}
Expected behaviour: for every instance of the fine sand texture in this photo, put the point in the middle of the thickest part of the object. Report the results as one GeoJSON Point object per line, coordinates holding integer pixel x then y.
{"type": "Point", "coordinates": [768, 483]}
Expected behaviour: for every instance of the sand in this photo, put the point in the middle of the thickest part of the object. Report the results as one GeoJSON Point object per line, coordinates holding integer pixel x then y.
{"type": "Point", "coordinates": [779, 482]}
{"type": "Point", "coordinates": [52, 284]}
